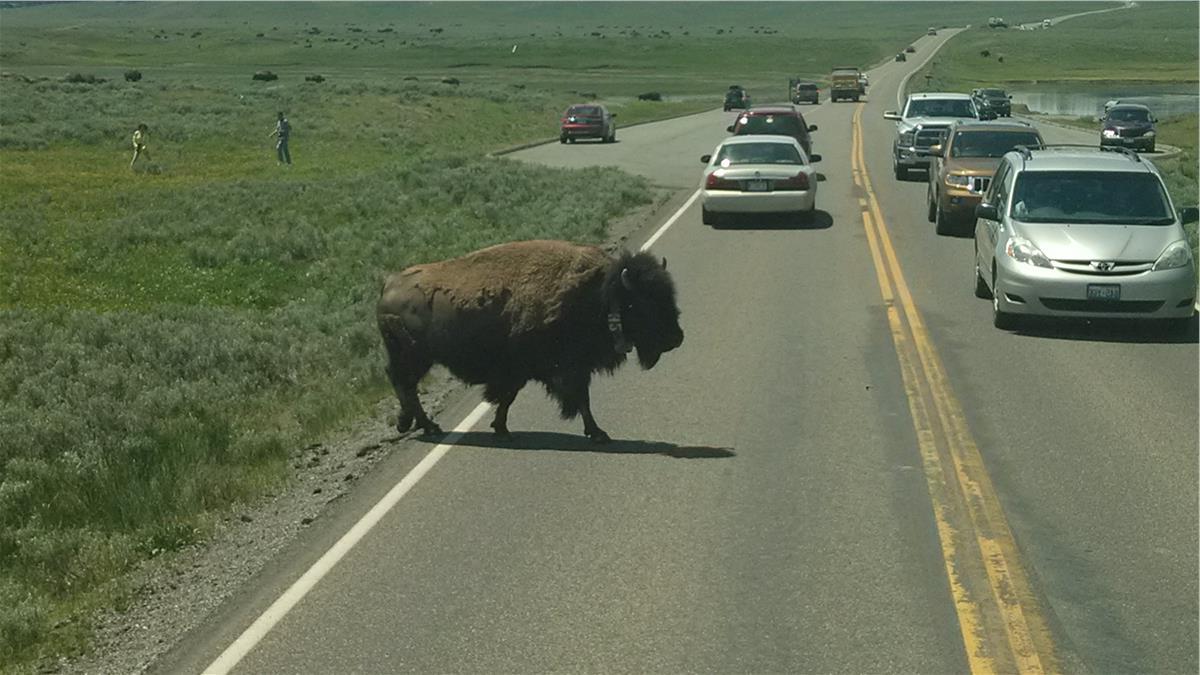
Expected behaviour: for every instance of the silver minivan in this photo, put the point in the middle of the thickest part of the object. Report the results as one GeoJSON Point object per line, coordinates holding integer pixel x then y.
{"type": "Point", "coordinates": [1077, 231]}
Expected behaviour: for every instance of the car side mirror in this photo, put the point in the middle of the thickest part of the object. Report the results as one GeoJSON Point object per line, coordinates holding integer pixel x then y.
{"type": "Point", "coordinates": [891, 115]}
{"type": "Point", "coordinates": [1099, 119]}
{"type": "Point", "coordinates": [1010, 96]}
{"type": "Point", "coordinates": [705, 158]}
{"type": "Point", "coordinates": [987, 211]}
{"type": "Point", "coordinates": [1189, 214]}
{"type": "Point", "coordinates": [936, 150]}
{"type": "Point", "coordinates": [814, 158]}
{"type": "Point", "coordinates": [812, 127]}
{"type": "Point", "coordinates": [729, 128]}
{"type": "Point", "coordinates": [1154, 120]}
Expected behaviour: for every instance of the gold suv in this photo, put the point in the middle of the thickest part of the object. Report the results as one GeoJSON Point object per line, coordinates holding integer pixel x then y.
{"type": "Point", "coordinates": [962, 165]}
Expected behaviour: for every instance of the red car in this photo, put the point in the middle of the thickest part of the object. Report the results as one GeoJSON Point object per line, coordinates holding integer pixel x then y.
{"type": "Point", "coordinates": [588, 120]}
{"type": "Point", "coordinates": [784, 120]}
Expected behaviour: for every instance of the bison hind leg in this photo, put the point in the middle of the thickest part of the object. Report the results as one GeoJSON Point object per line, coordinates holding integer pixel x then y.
{"type": "Point", "coordinates": [406, 366]}
{"type": "Point", "coordinates": [502, 392]}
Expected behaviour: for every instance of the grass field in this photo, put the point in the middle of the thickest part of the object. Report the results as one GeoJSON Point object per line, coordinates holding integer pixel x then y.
{"type": "Point", "coordinates": [1153, 43]}
{"type": "Point", "coordinates": [168, 335]}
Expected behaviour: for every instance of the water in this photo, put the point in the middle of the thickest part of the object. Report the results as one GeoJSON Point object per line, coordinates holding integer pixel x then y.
{"type": "Point", "coordinates": [1091, 103]}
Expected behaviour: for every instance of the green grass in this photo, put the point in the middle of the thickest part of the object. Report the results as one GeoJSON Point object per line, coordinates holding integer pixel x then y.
{"type": "Point", "coordinates": [169, 335]}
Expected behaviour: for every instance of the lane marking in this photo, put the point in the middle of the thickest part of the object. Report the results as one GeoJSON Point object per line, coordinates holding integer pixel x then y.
{"type": "Point", "coordinates": [307, 581]}
{"type": "Point", "coordinates": [1025, 630]}
{"type": "Point", "coordinates": [670, 221]}
{"type": "Point", "coordinates": [278, 609]}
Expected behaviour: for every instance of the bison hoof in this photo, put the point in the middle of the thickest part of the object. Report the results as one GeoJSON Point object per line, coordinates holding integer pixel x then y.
{"type": "Point", "coordinates": [598, 436]}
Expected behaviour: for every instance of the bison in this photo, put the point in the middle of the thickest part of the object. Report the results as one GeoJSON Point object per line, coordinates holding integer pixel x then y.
{"type": "Point", "coordinates": [549, 311]}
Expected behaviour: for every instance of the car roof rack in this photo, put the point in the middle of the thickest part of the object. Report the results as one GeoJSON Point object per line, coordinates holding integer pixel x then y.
{"type": "Point", "coordinates": [1130, 154]}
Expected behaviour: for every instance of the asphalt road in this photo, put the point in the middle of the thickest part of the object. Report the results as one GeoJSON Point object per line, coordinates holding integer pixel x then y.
{"type": "Point", "coordinates": [765, 508]}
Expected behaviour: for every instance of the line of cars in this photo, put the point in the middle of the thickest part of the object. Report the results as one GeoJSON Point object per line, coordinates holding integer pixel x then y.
{"type": "Point", "coordinates": [1060, 230]}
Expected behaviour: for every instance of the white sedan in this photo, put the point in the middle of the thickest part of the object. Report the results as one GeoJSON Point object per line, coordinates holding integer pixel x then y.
{"type": "Point", "coordinates": [758, 174]}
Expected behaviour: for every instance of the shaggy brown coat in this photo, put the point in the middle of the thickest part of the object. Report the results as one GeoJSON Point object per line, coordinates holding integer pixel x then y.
{"type": "Point", "coordinates": [535, 310]}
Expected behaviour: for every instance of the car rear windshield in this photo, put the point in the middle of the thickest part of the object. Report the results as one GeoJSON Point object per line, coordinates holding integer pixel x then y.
{"type": "Point", "coordinates": [991, 143]}
{"type": "Point", "coordinates": [786, 125]}
{"type": "Point", "coordinates": [932, 107]}
{"type": "Point", "coordinates": [1104, 197]}
{"type": "Point", "coordinates": [806, 87]}
{"type": "Point", "coordinates": [1128, 115]}
{"type": "Point", "coordinates": [584, 111]}
{"type": "Point", "coordinates": [758, 153]}
{"type": "Point", "coordinates": [992, 92]}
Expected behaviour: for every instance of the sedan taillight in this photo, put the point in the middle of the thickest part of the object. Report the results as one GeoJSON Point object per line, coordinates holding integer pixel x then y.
{"type": "Point", "coordinates": [797, 182]}
{"type": "Point", "coordinates": [715, 182]}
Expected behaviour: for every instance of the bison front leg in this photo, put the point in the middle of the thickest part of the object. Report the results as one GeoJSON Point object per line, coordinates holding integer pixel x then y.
{"type": "Point", "coordinates": [590, 428]}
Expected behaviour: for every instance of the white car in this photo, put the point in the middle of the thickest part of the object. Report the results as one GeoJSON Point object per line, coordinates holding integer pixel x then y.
{"type": "Point", "coordinates": [758, 174]}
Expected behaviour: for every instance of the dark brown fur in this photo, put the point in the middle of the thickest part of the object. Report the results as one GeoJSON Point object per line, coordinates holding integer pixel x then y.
{"type": "Point", "coordinates": [533, 310]}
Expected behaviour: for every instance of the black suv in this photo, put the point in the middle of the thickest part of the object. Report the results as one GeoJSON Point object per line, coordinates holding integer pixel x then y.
{"type": "Point", "coordinates": [1128, 125]}
{"type": "Point", "coordinates": [992, 103]}
{"type": "Point", "coordinates": [736, 97]}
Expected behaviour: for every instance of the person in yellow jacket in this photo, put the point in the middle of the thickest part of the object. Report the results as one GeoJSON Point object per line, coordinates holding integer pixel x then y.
{"type": "Point", "coordinates": [140, 137]}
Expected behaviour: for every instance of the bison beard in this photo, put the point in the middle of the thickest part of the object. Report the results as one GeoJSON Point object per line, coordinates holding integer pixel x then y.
{"type": "Point", "coordinates": [549, 311]}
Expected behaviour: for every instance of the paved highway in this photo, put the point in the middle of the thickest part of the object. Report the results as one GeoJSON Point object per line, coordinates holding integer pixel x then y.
{"type": "Point", "coordinates": [845, 468]}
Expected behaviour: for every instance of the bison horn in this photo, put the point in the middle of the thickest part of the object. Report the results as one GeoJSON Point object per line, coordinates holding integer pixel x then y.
{"type": "Point", "coordinates": [626, 280]}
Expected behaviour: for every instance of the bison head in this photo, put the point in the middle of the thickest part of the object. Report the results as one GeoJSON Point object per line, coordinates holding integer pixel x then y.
{"type": "Point", "coordinates": [640, 287]}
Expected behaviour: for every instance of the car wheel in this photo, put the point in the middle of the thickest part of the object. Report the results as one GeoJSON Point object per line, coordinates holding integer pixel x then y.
{"type": "Point", "coordinates": [1151, 148]}
{"type": "Point", "coordinates": [571, 140]}
{"type": "Point", "coordinates": [943, 224]}
{"type": "Point", "coordinates": [1000, 319]}
{"type": "Point", "coordinates": [932, 210]}
{"type": "Point", "coordinates": [901, 172]}
{"type": "Point", "coordinates": [562, 139]}
{"type": "Point", "coordinates": [708, 217]}
{"type": "Point", "coordinates": [981, 288]}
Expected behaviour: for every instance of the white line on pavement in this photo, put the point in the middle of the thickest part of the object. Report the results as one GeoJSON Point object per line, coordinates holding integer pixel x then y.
{"type": "Point", "coordinates": [670, 221]}
{"type": "Point", "coordinates": [278, 609]}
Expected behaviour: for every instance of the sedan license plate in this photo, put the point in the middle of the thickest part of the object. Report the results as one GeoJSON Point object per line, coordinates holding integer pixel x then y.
{"type": "Point", "coordinates": [1105, 292]}
{"type": "Point", "coordinates": [758, 186]}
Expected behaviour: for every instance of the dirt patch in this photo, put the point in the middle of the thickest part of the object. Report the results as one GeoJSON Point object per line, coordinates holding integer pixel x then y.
{"type": "Point", "coordinates": [174, 593]}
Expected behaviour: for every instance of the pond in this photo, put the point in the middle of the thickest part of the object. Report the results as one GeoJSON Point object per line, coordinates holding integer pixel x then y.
{"type": "Point", "coordinates": [1162, 101]}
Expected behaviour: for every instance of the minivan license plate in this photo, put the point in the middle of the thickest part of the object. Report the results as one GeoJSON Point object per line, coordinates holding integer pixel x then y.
{"type": "Point", "coordinates": [1107, 292]}
{"type": "Point", "coordinates": [758, 186]}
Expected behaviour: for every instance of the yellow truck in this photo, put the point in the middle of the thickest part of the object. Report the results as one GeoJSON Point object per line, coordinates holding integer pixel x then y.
{"type": "Point", "coordinates": [845, 82]}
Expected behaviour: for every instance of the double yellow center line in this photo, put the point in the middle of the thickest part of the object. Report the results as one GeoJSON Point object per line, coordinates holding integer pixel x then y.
{"type": "Point", "coordinates": [1003, 626]}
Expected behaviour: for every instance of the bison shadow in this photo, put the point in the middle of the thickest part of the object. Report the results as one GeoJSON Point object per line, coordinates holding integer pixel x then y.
{"type": "Point", "coordinates": [820, 220]}
{"type": "Point", "coordinates": [552, 441]}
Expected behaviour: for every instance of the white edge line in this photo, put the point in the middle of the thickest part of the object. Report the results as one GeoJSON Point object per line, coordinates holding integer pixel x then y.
{"type": "Point", "coordinates": [296, 592]}
{"type": "Point", "coordinates": [670, 221]}
{"type": "Point", "coordinates": [278, 609]}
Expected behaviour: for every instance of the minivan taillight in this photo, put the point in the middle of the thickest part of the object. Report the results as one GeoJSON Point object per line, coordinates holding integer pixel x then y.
{"type": "Point", "coordinates": [797, 182]}
{"type": "Point", "coordinates": [715, 182]}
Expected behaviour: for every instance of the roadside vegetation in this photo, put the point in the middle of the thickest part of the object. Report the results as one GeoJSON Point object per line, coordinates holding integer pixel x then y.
{"type": "Point", "coordinates": [169, 335]}
{"type": "Point", "coordinates": [1152, 44]}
